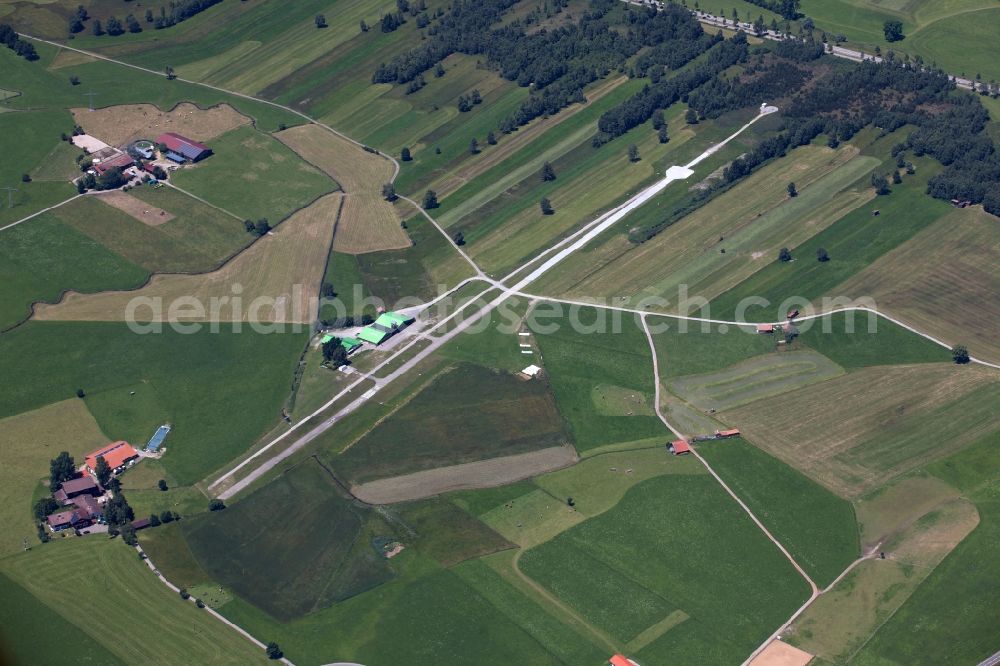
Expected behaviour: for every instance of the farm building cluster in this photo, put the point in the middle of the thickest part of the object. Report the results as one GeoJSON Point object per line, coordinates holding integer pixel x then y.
{"type": "Point", "coordinates": [679, 447]}
{"type": "Point", "coordinates": [82, 498]}
{"type": "Point", "coordinates": [138, 161]}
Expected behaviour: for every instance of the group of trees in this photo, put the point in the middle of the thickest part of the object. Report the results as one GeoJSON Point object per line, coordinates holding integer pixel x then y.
{"type": "Point", "coordinates": [176, 12]}
{"type": "Point", "coordinates": [77, 19]}
{"type": "Point", "coordinates": [13, 41]}
{"type": "Point", "coordinates": [950, 126]}
{"type": "Point", "coordinates": [466, 102]}
{"type": "Point", "coordinates": [556, 63]}
{"type": "Point", "coordinates": [258, 228]}
{"type": "Point", "coordinates": [334, 353]}
{"type": "Point", "coordinates": [893, 31]}
{"type": "Point", "coordinates": [788, 9]}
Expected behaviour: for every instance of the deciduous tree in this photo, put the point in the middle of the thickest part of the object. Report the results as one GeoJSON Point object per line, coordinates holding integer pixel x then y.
{"type": "Point", "coordinates": [61, 468]}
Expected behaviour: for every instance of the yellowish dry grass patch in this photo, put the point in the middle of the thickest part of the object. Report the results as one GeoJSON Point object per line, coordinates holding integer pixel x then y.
{"type": "Point", "coordinates": [368, 222]}
{"type": "Point", "coordinates": [274, 276]}
{"type": "Point", "coordinates": [842, 620]}
{"type": "Point", "coordinates": [118, 125]}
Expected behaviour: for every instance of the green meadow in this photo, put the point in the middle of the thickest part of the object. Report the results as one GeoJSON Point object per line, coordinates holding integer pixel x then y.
{"type": "Point", "coordinates": [197, 380]}
{"type": "Point", "coordinates": [436, 427]}
{"type": "Point", "coordinates": [957, 35]}
{"type": "Point", "coordinates": [28, 626]}
{"type": "Point", "coordinates": [198, 239]}
{"type": "Point", "coordinates": [43, 258]}
{"type": "Point", "coordinates": [246, 546]}
{"type": "Point", "coordinates": [816, 526]}
{"type": "Point", "coordinates": [578, 361]}
{"type": "Point", "coordinates": [253, 175]}
{"type": "Point", "coordinates": [689, 519]}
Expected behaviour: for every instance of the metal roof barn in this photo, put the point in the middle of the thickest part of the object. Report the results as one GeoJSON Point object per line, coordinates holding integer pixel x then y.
{"type": "Point", "coordinates": [188, 148]}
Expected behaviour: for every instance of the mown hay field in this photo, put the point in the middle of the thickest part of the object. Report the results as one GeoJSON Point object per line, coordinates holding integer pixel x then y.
{"type": "Point", "coordinates": [275, 280]}
{"type": "Point", "coordinates": [855, 432]}
{"type": "Point", "coordinates": [118, 125]}
{"type": "Point", "coordinates": [190, 237]}
{"type": "Point", "coordinates": [122, 592]}
{"type": "Point", "coordinates": [753, 379]}
{"type": "Point", "coordinates": [683, 518]}
{"type": "Point", "coordinates": [368, 222]}
{"type": "Point", "coordinates": [28, 625]}
{"type": "Point", "coordinates": [943, 281]}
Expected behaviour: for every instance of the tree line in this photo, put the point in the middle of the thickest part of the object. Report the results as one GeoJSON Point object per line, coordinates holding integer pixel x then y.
{"type": "Point", "coordinates": [176, 12]}
{"type": "Point", "coordinates": [641, 106]}
{"type": "Point", "coordinates": [13, 41]}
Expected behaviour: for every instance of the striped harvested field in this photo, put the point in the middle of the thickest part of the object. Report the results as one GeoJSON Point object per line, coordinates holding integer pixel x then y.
{"type": "Point", "coordinates": [944, 281]}
{"type": "Point", "coordinates": [753, 379]}
{"type": "Point", "coordinates": [855, 432]}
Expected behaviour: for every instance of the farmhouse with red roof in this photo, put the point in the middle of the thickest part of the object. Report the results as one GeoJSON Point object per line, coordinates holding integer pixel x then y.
{"type": "Point", "coordinates": [118, 455]}
{"type": "Point", "coordinates": [119, 161]}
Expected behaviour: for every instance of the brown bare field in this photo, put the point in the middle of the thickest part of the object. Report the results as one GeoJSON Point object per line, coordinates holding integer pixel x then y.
{"type": "Point", "coordinates": [855, 432]}
{"type": "Point", "coordinates": [368, 222]}
{"type": "Point", "coordinates": [137, 208]}
{"type": "Point", "coordinates": [481, 474]}
{"type": "Point", "coordinates": [275, 278]}
{"type": "Point", "coordinates": [944, 281]}
{"type": "Point", "coordinates": [118, 125]}
{"type": "Point", "coordinates": [511, 143]}
{"type": "Point", "coordinates": [781, 654]}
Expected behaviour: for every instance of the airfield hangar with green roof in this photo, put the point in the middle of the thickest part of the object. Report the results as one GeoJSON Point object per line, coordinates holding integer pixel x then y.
{"type": "Point", "coordinates": [383, 328]}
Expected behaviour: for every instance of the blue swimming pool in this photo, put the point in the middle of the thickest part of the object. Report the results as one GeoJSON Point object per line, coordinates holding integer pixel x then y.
{"type": "Point", "coordinates": [156, 441]}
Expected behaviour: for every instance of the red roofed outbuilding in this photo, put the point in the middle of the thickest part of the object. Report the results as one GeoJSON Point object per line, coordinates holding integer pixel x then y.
{"type": "Point", "coordinates": [678, 447]}
{"type": "Point", "coordinates": [732, 432]}
{"type": "Point", "coordinates": [116, 454]}
{"type": "Point", "coordinates": [183, 146]}
{"type": "Point", "coordinates": [120, 161]}
{"type": "Point", "coordinates": [621, 660]}
{"type": "Point", "coordinates": [765, 328]}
